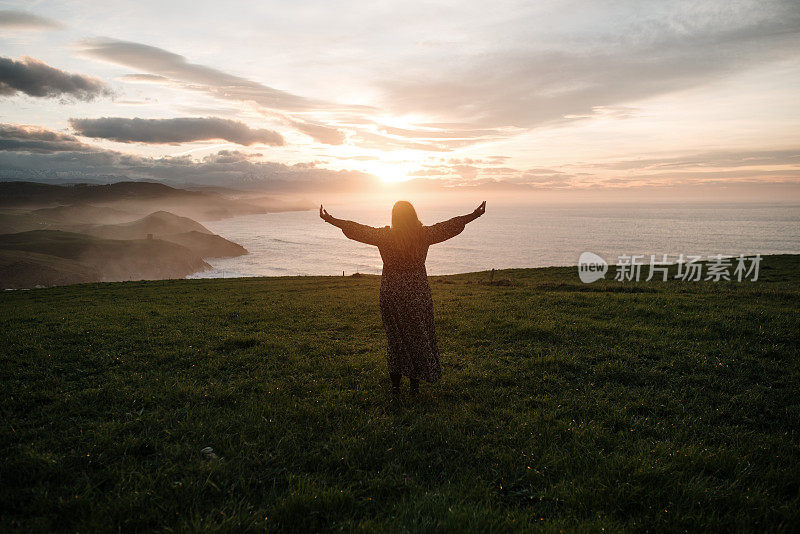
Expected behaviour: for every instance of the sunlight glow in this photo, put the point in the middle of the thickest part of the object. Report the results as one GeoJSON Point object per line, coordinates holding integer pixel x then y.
{"type": "Point", "coordinates": [389, 172]}
{"type": "Point", "coordinates": [393, 175]}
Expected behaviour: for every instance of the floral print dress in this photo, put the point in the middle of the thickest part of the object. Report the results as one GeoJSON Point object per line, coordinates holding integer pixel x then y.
{"type": "Point", "coordinates": [405, 299]}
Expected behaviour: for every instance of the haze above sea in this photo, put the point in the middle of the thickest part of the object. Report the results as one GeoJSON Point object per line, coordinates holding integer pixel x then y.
{"type": "Point", "coordinates": [300, 243]}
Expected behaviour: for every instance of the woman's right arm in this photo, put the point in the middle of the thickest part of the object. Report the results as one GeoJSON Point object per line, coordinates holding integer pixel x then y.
{"type": "Point", "coordinates": [353, 230]}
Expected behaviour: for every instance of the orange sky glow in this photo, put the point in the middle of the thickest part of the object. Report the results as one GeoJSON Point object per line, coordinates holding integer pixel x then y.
{"type": "Point", "coordinates": [567, 101]}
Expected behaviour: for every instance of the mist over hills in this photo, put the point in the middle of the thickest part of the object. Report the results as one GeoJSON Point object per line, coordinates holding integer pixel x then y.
{"type": "Point", "coordinates": [62, 234]}
{"type": "Point", "coordinates": [142, 198]}
{"type": "Point", "coordinates": [82, 213]}
{"type": "Point", "coordinates": [168, 227]}
{"type": "Point", "coordinates": [159, 222]}
{"type": "Point", "coordinates": [111, 259]}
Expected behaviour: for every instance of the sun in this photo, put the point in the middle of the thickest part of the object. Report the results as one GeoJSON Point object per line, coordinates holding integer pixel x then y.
{"type": "Point", "coordinates": [389, 173]}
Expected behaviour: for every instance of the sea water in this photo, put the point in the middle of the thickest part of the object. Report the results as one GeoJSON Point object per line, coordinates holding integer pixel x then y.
{"type": "Point", "coordinates": [300, 243]}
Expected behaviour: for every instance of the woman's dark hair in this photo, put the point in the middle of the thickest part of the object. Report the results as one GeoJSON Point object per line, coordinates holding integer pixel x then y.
{"type": "Point", "coordinates": [406, 227]}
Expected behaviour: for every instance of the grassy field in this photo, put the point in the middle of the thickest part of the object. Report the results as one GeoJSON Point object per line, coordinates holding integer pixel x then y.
{"type": "Point", "coordinates": [644, 407]}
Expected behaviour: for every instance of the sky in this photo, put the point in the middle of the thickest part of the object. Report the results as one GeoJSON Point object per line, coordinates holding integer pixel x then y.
{"type": "Point", "coordinates": [581, 99]}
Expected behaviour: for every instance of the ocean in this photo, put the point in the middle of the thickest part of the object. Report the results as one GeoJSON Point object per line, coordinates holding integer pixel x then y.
{"type": "Point", "coordinates": [300, 243]}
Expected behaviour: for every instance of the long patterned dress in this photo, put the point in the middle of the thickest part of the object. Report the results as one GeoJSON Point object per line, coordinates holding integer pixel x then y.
{"type": "Point", "coordinates": [405, 298]}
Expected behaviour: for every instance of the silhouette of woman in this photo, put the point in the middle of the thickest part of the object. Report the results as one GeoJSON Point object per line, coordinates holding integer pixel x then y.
{"type": "Point", "coordinates": [405, 298]}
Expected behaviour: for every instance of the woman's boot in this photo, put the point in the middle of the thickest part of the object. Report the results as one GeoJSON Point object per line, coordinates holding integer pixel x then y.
{"type": "Point", "coordinates": [414, 386]}
{"type": "Point", "coordinates": [395, 382]}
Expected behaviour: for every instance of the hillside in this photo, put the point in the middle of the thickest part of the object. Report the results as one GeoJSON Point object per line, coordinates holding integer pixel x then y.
{"type": "Point", "coordinates": [114, 260]}
{"type": "Point", "coordinates": [65, 253]}
{"type": "Point", "coordinates": [649, 407]}
{"type": "Point", "coordinates": [206, 245]}
{"type": "Point", "coordinates": [20, 270]}
{"type": "Point", "coordinates": [172, 228]}
{"type": "Point", "coordinates": [158, 224]}
{"type": "Point", "coordinates": [117, 212]}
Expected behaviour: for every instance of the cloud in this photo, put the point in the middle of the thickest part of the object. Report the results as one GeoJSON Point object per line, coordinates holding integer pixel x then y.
{"type": "Point", "coordinates": [320, 133]}
{"type": "Point", "coordinates": [227, 168]}
{"type": "Point", "coordinates": [22, 20]}
{"type": "Point", "coordinates": [711, 159]}
{"type": "Point", "coordinates": [174, 131]}
{"type": "Point", "coordinates": [692, 169]}
{"type": "Point", "coordinates": [24, 138]}
{"type": "Point", "coordinates": [704, 177]}
{"type": "Point", "coordinates": [231, 156]}
{"type": "Point", "coordinates": [522, 85]}
{"type": "Point", "coordinates": [160, 65]}
{"type": "Point", "coordinates": [438, 133]}
{"type": "Point", "coordinates": [35, 78]}
{"type": "Point", "coordinates": [240, 170]}
{"type": "Point", "coordinates": [469, 172]}
{"type": "Point", "coordinates": [31, 153]}
{"type": "Point", "coordinates": [367, 138]}
{"type": "Point", "coordinates": [153, 79]}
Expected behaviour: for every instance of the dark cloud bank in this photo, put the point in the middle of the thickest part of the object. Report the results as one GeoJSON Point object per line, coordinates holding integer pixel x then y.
{"type": "Point", "coordinates": [37, 154]}
{"type": "Point", "coordinates": [31, 153]}
{"type": "Point", "coordinates": [38, 140]}
{"type": "Point", "coordinates": [35, 78]}
{"type": "Point", "coordinates": [174, 131]}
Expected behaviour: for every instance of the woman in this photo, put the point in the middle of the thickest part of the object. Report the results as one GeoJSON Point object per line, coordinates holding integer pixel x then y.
{"type": "Point", "coordinates": [405, 300]}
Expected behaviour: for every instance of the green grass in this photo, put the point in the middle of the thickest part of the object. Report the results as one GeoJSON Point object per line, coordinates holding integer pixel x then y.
{"type": "Point", "coordinates": [642, 407]}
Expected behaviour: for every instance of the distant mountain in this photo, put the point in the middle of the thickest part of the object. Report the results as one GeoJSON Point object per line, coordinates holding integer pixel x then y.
{"type": "Point", "coordinates": [158, 224]}
{"type": "Point", "coordinates": [169, 227]}
{"type": "Point", "coordinates": [32, 193]}
{"type": "Point", "coordinates": [135, 197]}
{"type": "Point", "coordinates": [61, 234]}
{"type": "Point", "coordinates": [60, 217]}
{"type": "Point", "coordinates": [108, 259]}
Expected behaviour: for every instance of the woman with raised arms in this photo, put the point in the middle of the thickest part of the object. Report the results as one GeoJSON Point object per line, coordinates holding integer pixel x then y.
{"type": "Point", "coordinates": [405, 297]}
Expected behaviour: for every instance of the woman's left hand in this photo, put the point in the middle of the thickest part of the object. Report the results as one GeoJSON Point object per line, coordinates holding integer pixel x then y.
{"type": "Point", "coordinates": [480, 210]}
{"type": "Point", "coordinates": [324, 215]}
